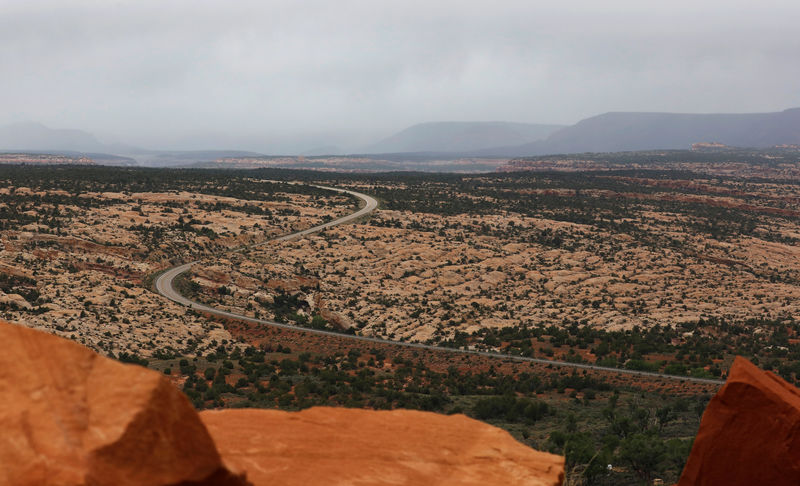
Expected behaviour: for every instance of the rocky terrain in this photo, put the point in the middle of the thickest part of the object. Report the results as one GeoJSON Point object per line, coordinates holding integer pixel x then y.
{"type": "Point", "coordinates": [667, 272]}
{"type": "Point", "coordinates": [77, 263]}
{"type": "Point", "coordinates": [779, 162]}
{"type": "Point", "coordinates": [422, 276]}
{"type": "Point", "coordinates": [365, 163]}
{"type": "Point", "coordinates": [104, 423]}
{"type": "Point", "coordinates": [44, 159]}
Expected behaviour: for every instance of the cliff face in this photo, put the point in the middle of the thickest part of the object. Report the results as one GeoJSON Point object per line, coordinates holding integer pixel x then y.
{"type": "Point", "coordinates": [748, 434]}
{"type": "Point", "coordinates": [338, 446]}
{"type": "Point", "coordinates": [71, 417]}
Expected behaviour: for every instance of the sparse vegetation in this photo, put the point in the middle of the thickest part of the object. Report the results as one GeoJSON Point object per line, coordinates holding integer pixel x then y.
{"type": "Point", "coordinates": [673, 271]}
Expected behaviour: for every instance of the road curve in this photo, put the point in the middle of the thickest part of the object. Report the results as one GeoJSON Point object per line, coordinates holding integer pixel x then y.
{"type": "Point", "coordinates": [164, 286]}
{"type": "Point", "coordinates": [164, 282]}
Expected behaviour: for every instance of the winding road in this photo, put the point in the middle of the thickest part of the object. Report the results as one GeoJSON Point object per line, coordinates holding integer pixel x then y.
{"type": "Point", "coordinates": [164, 284]}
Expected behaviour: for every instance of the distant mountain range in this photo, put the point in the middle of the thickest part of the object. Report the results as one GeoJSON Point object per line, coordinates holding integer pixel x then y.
{"type": "Point", "coordinates": [619, 132]}
{"type": "Point", "coordinates": [35, 136]}
{"type": "Point", "coordinates": [462, 136]}
{"type": "Point", "coordinates": [610, 132]}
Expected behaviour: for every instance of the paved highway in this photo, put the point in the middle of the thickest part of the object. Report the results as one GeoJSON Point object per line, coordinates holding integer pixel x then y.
{"type": "Point", "coordinates": [164, 286]}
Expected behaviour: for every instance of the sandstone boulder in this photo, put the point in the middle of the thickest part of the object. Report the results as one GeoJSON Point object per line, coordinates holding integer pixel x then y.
{"type": "Point", "coordinates": [749, 433]}
{"type": "Point", "coordinates": [72, 417]}
{"type": "Point", "coordinates": [337, 446]}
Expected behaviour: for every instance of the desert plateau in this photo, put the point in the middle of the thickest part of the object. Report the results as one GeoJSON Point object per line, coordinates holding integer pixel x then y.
{"type": "Point", "coordinates": [443, 243]}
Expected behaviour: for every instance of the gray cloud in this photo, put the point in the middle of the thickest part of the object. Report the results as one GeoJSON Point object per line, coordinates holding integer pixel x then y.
{"type": "Point", "coordinates": [190, 72]}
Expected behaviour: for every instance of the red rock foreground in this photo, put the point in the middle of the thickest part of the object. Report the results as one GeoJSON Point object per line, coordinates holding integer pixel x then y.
{"type": "Point", "coordinates": [749, 434]}
{"type": "Point", "coordinates": [338, 446]}
{"type": "Point", "coordinates": [72, 417]}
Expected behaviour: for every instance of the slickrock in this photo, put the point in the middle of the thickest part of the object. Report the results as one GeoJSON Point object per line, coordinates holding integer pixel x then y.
{"type": "Point", "coordinates": [336, 446]}
{"type": "Point", "coordinates": [72, 417]}
{"type": "Point", "coordinates": [748, 434]}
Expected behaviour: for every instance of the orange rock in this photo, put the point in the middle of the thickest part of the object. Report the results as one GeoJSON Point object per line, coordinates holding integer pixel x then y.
{"type": "Point", "coordinates": [748, 434]}
{"type": "Point", "coordinates": [72, 417]}
{"type": "Point", "coordinates": [337, 446]}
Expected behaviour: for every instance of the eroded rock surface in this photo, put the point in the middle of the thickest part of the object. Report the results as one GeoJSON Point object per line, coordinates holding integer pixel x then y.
{"type": "Point", "coordinates": [748, 434]}
{"type": "Point", "coordinates": [337, 446]}
{"type": "Point", "coordinates": [72, 417]}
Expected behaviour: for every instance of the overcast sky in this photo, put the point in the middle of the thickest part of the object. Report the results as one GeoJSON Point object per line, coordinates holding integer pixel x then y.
{"type": "Point", "coordinates": [171, 72]}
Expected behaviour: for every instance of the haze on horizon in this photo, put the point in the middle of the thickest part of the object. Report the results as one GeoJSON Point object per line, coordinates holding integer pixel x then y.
{"type": "Point", "coordinates": [263, 75]}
